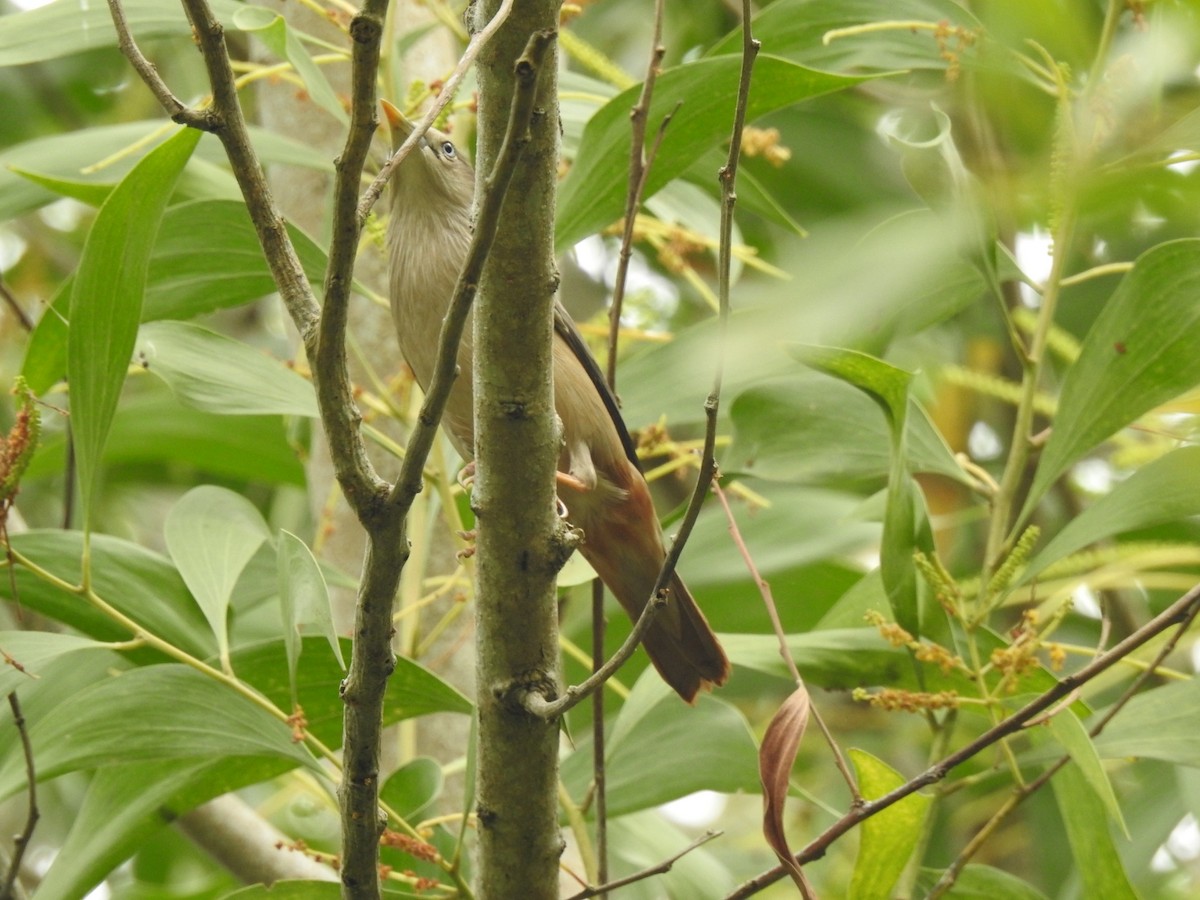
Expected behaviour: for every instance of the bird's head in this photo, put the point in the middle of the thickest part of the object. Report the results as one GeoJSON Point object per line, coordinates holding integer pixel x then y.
{"type": "Point", "coordinates": [435, 173]}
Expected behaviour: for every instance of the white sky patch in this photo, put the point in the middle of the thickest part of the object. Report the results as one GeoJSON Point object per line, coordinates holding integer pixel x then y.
{"type": "Point", "coordinates": [983, 443]}
{"type": "Point", "coordinates": [1085, 602]}
{"type": "Point", "coordinates": [1033, 251]}
{"type": "Point", "coordinates": [695, 810]}
{"type": "Point", "coordinates": [1181, 846]}
{"type": "Point", "coordinates": [1186, 164]}
{"type": "Point", "coordinates": [1094, 476]}
{"type": "Point", "coordinates": [1196, 656]}
{"type": "Point", "coordinates": [12, 248]}
{"type": "Point", "coordinates": [34, 4]}
{"type": "Point", "coordinates": [63, 215]}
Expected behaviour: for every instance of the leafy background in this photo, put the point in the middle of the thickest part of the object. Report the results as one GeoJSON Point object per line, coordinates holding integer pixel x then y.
{"type": "Point", "coordinates": [924, 173]}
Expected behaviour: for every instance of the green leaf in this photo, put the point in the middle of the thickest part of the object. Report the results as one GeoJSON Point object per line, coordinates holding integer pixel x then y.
{"type": "Point", "coordinates": [106, 303]}
{"type": "Point", "coordinates": [888, 386]}
{"type": "Point", "coordinates": [304, 600]}
{"type": "Point", "coordinates": [1166, 490]}
{"type": "Point", "coordinates": [272, 30]}
{"type": "Point", "coordinates": [126, 805]}
{"type": "Point", "coordinates": [1095, 857]}
{"type": "Point", "coordinates": [796, 29]}
{"type": "Point", "coordinates": [412, 690]}
{"type": "Point", "coordinates": [1157, 724]}
{"type": "Point", "coordinates": [33, 651]}
{"type": "Point", "coordinates": [183, 282]}
{"type": "Point", "coordinates": [653, 734]}
{"type": "Point", "coordinates": [211, 372]}
{"type": "Point", "coordinates": [976, 882]}
{"type": "Point", "coordinates": [211, 534]}
{"type": "Point", "coordinates": [64, 27]}
{"type": "Point", "coordinates": [45, 361]}
{"type": "Point", "coordinates": [592, 195]}
{"type": "Point", "coordinates": [812, 429]}
{"type": "Point", "coordinates": [89, 192]}
{"type": "Point", "coordinates": [139, 583]}
{"type": "Point", "coordinates": [889, 838]}
{"type": "Point", "coordinates": [148, 715]}
{"type": "Point", "coordinates": [1139, 354]}
{"type": "Point", "coordinates": [412, 788]}
{"type": "Point", "coordinates": [1070, 734]}
{"type": "Point", "coordinates": [68, 155]}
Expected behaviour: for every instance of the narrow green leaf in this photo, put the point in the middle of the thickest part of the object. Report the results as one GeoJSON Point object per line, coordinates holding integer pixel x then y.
{"type": "Point", "coordinates": [592, 195]}
{"type": "Point", "coordinates": [106, 303]}
{"type": "Point", "coordinates": [1095, 857]}
{"type": "Point", "coordinates": [797, 29]}
{"type": "Point", "coordinates": [652, 733]}
{"type": "Point", "coordinates": [211, 533]}
{"type": "Point", "coordinates": [90, 192]}
{"type": "Point", "coordinates": [45, 362]}
{"type": "Point", "coordinates": [140, 583]}
{"type": "Point", "coordinates": [211, 372]}
{"type": "Point", "coordinates": [1069, 732]}
{"type": "Point", "coordinates": [889, 838]}
{"type": "Point", "coordinates": [64, 28]}
{"type": "Point", "coordinates": [304, 600]}
{"type": "Point", "coordinates": [1166, 490]}
{"type": "Point", "coordinates": [884, 383]}
{"type": "Point", "coordinates": [151, 714]}
{"type": "Point", "coordinates": [272, 30]}
{"type": "Point", "coordinates": [1139, 354]}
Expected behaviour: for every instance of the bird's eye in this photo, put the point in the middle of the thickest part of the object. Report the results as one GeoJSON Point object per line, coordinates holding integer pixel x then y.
{"type": "Point", "coordinates": [448, 150]}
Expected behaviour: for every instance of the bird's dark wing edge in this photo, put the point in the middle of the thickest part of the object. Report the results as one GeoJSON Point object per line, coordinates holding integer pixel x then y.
{"type": "Point", "coordinates": [566, 329]}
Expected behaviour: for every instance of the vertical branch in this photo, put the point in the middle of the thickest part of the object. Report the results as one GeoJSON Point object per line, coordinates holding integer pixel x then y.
{"type": "Point", "coordinates": [599, 778]}
{"type": "Point", "coordinates": [521, 543]}
{"type": "Point", "coordinates": [21, 842]}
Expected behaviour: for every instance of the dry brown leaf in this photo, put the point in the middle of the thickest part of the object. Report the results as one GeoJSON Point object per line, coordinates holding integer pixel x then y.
{"type": "Point", "coordinates": [776, 756]}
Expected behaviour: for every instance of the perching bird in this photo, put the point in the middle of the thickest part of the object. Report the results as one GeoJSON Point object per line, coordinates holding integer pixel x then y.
{"type": "Point", "coordinates": [599, 479]}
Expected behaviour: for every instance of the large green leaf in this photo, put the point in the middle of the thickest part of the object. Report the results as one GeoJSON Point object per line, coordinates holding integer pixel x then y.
{"type": "Point", "coordinates": [651, 756]}
{"type": "Point", "coordinates": [1166, 490]}
{"type": "Point", "coordinates": [106, 303]}
{"type": "Point", "coordinates": [1140, 353]}
{"type": "Point", "coordinates": [209, 371]}
{"type": "Point", "coordinates": [889, 838]}
{"type": "Point", "coordinates": [33, 651]}
{"type": "Point", "coordinates": [63, 28]}
{"type": "Point", "coordinates": [138, 582]}
{"type": "Point", "coordinates": [151, 714]}
{"type": "Point", "coordinates": [153, 430]}
{"type": "Point", "coordinates": [212, 533]}
{"type": "Point", "coordinates": [592, 196]}
{"type": "Point", "coordinates": [1094, 854]}
{"type": "Point", "coordinates": [303, 599]}
{"type": "Point", "coordinates": [1069, 733]}
{"type": "Point", "coordinates": [976, 882]}
{"type": "Point", "coordinates": [1158, 724]}
{"type": "Point", "coordinates": [125, 805]}
{"type": "Point", "coordinates": [412, 690]}
{"type": "Point", "coordinates": [812, 429]}
{"type": "Point", "coordinates": [184, 281]}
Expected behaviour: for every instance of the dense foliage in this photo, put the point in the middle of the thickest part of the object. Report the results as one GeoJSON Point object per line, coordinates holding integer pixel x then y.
{"type": "Point", "coordinates": [956, 439]}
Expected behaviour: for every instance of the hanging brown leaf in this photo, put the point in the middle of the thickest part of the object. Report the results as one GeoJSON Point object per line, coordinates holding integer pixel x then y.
{"type": "Point", "coordinates": [776, 757]}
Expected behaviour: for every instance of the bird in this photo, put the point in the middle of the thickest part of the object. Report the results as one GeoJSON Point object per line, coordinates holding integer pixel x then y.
{"type": "Point", "coordinates": [599, 480]}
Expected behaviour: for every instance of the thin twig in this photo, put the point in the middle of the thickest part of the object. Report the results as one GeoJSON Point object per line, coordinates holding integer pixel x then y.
{"type": "Point", "coordinates": [21, 841]}
{"type": "Point", "coordinates": [178, 110]}
{"type": "Point", "coordinates": [785, 651]}
{"type": "Point", "coordinates": [371, 195]}
{"type": "Point", "coordinates": [656, 869]}
{"type": "Point", "coordinates": [1182, 610]}
{"type": "Point", "coordinates": [537, 703]}
{"type": "Point", "coordinates": [1021, 792]}
{"type": "Point", "coordinates": [599, 779]}
{"type": "Point", "coordinates": [22, 317]}
{"type": "Point", "coordinates": [638, 168]}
